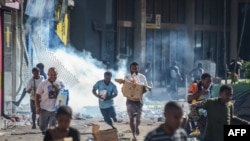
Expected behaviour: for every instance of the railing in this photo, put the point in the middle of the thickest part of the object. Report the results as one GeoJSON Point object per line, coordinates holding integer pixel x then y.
{"type": "Point", "coordinates": [46, 55]}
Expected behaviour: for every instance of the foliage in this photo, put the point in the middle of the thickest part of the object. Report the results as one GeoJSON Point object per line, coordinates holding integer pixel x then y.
{"type": "Point", "coordinates": [246, 69]}
{"type": "Point", "coordinates": [237, 88]}
{"type": "Point", "coordinates": [245, 81]}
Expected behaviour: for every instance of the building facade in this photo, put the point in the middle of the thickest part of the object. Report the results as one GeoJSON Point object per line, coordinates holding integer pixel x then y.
{"type": "Point", "coordinates": [11, 51]}
{"type": "Point", "coordinates": [160, 31]}
{"type": "Point", "coordinates": [19, 47]}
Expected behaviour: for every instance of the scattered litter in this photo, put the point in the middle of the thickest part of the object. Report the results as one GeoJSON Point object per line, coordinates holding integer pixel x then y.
{"type": "Point", "coordinates": [160, 119]}
{"type": "Point", "coordinates": [119, 120]}
{"type": "Point", "coordinates": [90, 124]}
{"type": "Point", "coordinates": [5, 134]}
{"type": "Point", "coordinates": [124, 139]}
{"type": "Point", "coordinates": [121, 135]}
{"type": "Point", "coordinates": [90, 139]}
{"type": "Point", "coordinates": [127, 131]}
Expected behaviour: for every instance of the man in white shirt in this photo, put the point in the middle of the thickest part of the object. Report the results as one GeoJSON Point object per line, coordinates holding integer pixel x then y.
{"type": "Point", "coordinates": [45, 99]}
{"type": "Point", "coordinates": [134, 108]}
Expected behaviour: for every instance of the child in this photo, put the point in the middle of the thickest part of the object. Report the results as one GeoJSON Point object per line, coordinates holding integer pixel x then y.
{"type": "Point", "coordinates": [220, 113]}
{"type": "Point", "coordinates": [171, 129]}
{"type": "Point", "coordinates": [63, 130]}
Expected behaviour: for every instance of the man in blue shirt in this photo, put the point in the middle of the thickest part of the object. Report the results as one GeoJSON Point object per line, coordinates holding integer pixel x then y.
{"type": "Point", "coordinates": [105, 90]}
{"type": "Point", "coordinates": [41, 67]}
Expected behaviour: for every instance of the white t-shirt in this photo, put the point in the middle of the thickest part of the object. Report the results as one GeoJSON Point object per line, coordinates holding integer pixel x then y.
{"type": "Point", "coordinates": [139, 79]}
{"type": "Point", "coordinates": [48, 94]}
{"type": "Point", "coordinates": [33, 84]}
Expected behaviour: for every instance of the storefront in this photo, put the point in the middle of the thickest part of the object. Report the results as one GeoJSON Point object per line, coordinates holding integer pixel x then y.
{"type": "Point", "coordinates": [9, 55]}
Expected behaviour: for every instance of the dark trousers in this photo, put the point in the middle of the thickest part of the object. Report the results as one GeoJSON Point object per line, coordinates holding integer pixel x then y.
{"type": "Point", "coordinates": [107, 114]}
{"type": "Point", "coordinates": [33, 112]}
{"type": "Point", "coordinates": [174, 84]}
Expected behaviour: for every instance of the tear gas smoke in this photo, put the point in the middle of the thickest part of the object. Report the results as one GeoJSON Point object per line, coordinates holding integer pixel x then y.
{"type": "Point", "coordinates": [81, 64]}
{"type": "Point", "coordinates": [88, 71]}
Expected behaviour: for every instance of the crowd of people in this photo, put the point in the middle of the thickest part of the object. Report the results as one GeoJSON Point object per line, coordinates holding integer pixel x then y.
{"type": "Point", "coordinates": [44, 89]}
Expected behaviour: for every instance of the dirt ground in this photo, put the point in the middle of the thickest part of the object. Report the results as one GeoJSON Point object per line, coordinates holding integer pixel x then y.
{"type": "Point", "coordinates": [25, 133]}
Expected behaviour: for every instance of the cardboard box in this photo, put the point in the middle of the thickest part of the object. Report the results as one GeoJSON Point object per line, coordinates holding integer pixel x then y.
{"type": "Point", "coordinates": [104, 135]}
{"type": "Point", "coordinates": [133, 91]}
{"type": "Point", "coordinates": [65, 139]}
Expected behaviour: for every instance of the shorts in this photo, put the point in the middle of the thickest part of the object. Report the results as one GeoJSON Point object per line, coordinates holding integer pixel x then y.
{"type": "Point", "coordinates": [134, 108]}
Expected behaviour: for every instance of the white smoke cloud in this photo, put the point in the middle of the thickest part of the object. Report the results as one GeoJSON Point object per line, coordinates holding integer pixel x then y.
{"type": "Point", "coordinates": [88, 71]}
{"type": "Point", "coordinates": [82, 65]}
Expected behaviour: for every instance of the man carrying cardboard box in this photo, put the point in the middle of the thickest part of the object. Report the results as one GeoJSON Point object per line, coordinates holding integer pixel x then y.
{"type": "Point", "coordinates": [134, 107]}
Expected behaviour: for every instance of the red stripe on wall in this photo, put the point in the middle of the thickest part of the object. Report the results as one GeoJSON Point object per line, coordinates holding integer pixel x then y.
{"type": "Point", "coordinates": [1, 63]}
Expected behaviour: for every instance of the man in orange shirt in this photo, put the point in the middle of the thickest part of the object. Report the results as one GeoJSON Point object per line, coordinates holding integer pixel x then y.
{"type": "Point", "coordinates": [198, 91]}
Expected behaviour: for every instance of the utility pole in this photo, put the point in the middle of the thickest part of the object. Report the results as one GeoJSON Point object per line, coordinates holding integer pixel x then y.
{"type": "Point", "coordinates": [225, 40]}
